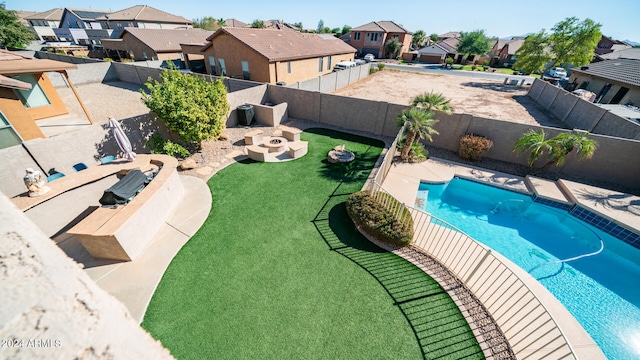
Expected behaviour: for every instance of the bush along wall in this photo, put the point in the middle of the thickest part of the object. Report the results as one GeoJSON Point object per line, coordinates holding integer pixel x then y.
{"type": "Point", "coordinates": [372, 217]}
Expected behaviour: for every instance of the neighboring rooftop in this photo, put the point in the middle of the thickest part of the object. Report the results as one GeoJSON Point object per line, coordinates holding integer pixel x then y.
{"type": "Point", "coordinates": [285, 44]}
{"type": "Point", "coordinates": [87, 14]}
{"type": "Point", "coordinates": [382, 26]}
{"type": "Point", "coordinates": [632, 53]}
{"type": "Point", "coordinates": [167, 40]}
{"type": "Point", "coordinates": [49, 15]}
{"type": "Point", "coordinates": [12, 63]}
{"type": "Point", "coordinates": [145, 13]}
{"type": "Point", "coordinates": [626, 71]}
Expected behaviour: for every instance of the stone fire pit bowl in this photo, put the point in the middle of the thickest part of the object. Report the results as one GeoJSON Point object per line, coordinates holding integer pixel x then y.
{"type": "Point", "coordinates": [340, 155]}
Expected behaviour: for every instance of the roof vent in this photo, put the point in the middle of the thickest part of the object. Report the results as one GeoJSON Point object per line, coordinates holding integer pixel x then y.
{"type": "Point", "coordinates": [584, 68]}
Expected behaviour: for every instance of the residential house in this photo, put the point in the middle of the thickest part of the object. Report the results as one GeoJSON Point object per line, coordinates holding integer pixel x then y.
{"type": "Point", "coordinates": [632, 53]}
{"type": "Point", "coordinates": [613, 81]}
{"type": "Point", "coordinates": [83, 27]}
{"type": "Point", "coordinates": [507, 55]}
{"type": "Point", "coordinates": [607, 45]}
{"type": "Point", "coordinates": [437, 53]}
{"type": "Point", "coordinates": [144, 17]}
{"type": "Point", "coordinates": [371, 38]}
{"type": "Point", "coordinates": [27, 96]}
{"type": "Point", "coordinates": [497, 47]}
{"type": "Point", "coordinates": [153, 44]}
{"type": "Point", "coordinates": [448, 35]}
{"type": "Point", "coordinates": [272, 55]}
{"type": "Point", "coordinates": [43, 23]}
{"type": "Point", "coordinates": [235, 23]}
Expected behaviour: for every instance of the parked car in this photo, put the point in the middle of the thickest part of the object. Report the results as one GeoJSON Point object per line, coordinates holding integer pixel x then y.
{"type": "Point", "coordinates": [369, 58]}
{"type": "Point", "coordinates": [558, 72]}
{"type": "Point", "coordinates": [343, 65]}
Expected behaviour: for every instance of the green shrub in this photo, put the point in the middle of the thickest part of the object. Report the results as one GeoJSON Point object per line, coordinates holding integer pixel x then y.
{"type": "Point", "coordinates": [473, 147]}
{"type": "Point", "coordinates": [372, 70]}
{"type": "Point", "coordinates": [417, 151]}
{"type": "Point", "coordinates": [190, 106]}
{"type": "Point", "coordinates": [474, 67]}
{"type": "Point", "coordinates": [158, 145]}
{"type": "Point", "coordinates": [375, 220]}
{"type": "Point", "coordinates": [108, 59]}
{"type": "Point", "coordinates": [380, 66]}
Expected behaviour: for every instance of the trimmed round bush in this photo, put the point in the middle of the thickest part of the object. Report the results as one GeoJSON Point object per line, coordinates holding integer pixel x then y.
{"type": "Point", "coordinates": [374, 219]}
{"type": "Point", "coordinates": [473, 147]}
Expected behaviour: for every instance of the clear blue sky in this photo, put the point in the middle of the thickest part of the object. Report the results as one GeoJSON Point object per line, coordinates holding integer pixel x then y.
{"type": "Point", "coordinates": [620, 19]}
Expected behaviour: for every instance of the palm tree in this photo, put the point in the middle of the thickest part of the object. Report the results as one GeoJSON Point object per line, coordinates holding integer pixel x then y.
{"type": "Point", "coordinates": [418, 124]}
{"type": "Point", "coordinates": [534, 142]}
{"type": "Point", "coordinates": [221, 22]}
{"type": "Point", "coordinates": [393, 46]}
{"type": "Point", "coordinates": [418, 39]}
{"type": "Point", "coordinates": [432, 102]}
{"type": "Point", "coordinates": [557, 148]}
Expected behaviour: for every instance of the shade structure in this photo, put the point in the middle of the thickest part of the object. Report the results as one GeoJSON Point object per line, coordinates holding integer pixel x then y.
{"type": "Point", "coordinates": [122, 139]}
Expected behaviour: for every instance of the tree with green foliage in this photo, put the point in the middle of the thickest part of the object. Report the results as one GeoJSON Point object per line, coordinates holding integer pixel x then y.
{"type": "Point", "coordinates": [434, 38]}
{"type": "Point", "coordinates": [222, 22]}
{"type": "Point", "coordinates": [298, 25]}
{"type": "Point", "coordinates": [392, 46]}
{"type": "Point", "coordinates": [190, 106]}
{"type": "Point", "coordinates": [258, 24]}
{"type": "Point", "coordinates": [418, 124]}
{"type": "Point", "coordinates": [12, 32]}
{"type": "Point", "coordinates": [345, 30]}
{"type": "Point", "coordinates": [419, 39]}
{"type": "Point", "coordinates": [206, 23]}
{"type": "Point", "coordinates": [335, 31]}
{"type": "Point", "coordinates": [320, 27]}
{"type": "Point", "coordinates": [474, 43]}
{"type": "Point", "coordinates": [556, 149]}
{"type": "Point", "coordinates": [571, 42]}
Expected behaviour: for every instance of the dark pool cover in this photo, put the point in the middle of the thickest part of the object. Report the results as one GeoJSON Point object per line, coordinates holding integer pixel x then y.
{"type": "Point", "coordinates": [125, 189]}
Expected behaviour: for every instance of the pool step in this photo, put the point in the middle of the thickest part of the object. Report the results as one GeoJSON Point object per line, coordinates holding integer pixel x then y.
{"type": "Point", "coordinates": [549, 192]}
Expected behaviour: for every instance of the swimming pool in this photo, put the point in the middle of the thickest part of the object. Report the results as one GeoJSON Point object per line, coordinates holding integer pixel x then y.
{"type": "Point", "coordinates": [600, 291]}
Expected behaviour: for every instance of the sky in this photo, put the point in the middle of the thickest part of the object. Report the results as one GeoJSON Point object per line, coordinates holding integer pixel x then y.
{"type": "Point", "coordinates": [619, 18]}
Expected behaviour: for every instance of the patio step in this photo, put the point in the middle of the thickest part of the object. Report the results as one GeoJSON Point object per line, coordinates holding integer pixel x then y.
{"type": "Point", "coordinates": [549, 192]}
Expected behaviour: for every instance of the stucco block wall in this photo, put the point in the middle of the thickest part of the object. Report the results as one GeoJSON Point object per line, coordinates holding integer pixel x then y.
{"type": "Point", "coordinates": [584, 116]}
{"type": "Point", "coordinates": [548, 96]}
{"type": "Point", "coordinates": [127, 73]}
{"type": "Point", "coordinates": [47, 298]}
{"type": "Point", "coordinates": [563, 104]}
{"type": "Point", "coordinates": [617, 126]}
{"type": "Point", "coordinates": [359, 114]}
{"type": "Point", "coordinates": [254, 95]}
{"type": "Point", "coordinates": [99, 72]}
{"type": "Point", "coordinates": [310, 85]}
{"type": "Point", "coordinates": [536, 89]}
{"type": "Point", "coordinates": [302, 104]}
{"type": "Point", "coordinates": [335, 80]}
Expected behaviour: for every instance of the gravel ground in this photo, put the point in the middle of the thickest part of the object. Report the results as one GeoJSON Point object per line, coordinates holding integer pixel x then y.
{"type": "Point", "coordinates": [479, 97]}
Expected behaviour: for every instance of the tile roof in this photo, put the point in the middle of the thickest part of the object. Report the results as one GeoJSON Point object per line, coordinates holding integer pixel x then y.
{"type": "Point", "coordinates": [450, 34]}
{"type": "Point", "coordinates": [145, 13]}
{"type": "Point", "coordinates": [451, 43]}
{"type": "Point", "coordinates": [382, 26]}
{"type": "Point", "coordinates": [632, 53]}
{"type": "Point", "coordinates": [87, 14]}
{"type": "Point", "coordinates": [621, 70]}
{"type": "Point", "coordinates": [285, 44]}
{"type": "Point", "coordinates": [235, 23]}
{"type": "Point", "coordinates": [49, 15]}
{"type": "Point", "coordinates": [513, 46]}
{"type": "Point", "coordinates": [168, 40]}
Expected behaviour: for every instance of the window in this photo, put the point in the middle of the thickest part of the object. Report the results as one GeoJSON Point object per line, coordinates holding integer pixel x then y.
{"type": "Point", "coordinates": [288, 67]}
{"type": "Point", "coordinates": [212, 64]}
{"type": "Point", "coordinates": [31, 98]}
{"type": "Point", "coordinates": [320, 62]}
{"type": "Point", "coordinates": [245, 70]}
{"type": "Point", "coordinates": [223, 69]}
{"type": "Point", "coordinates": [8, 136]}
{"type": "Point", "coordinates": [395, 36]}
{"type": "Point", "coordinates": [374, 36]}
{"type": "Point", "coordinates": [356, 35]}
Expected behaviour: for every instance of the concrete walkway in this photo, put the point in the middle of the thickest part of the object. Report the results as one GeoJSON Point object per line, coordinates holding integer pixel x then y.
{"type": "Point", "coordinates": [134, 282]}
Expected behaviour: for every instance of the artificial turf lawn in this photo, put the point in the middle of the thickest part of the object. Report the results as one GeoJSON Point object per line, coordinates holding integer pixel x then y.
{"type": "Point", "coordinates": [279, 271]}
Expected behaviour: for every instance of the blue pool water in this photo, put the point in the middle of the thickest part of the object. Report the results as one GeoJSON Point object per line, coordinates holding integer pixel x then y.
{"type": "Point", "coordinates": [601, 291]}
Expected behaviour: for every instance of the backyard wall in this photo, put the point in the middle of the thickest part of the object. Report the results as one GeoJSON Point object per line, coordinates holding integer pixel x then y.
{"type": "Point", "coordinates": [576, 113]}
{"type": "Point", "coordinates": [85, 74]}
{"type": "Point", "coordinates": [334, 81]}
{"type": "Point", "coordinates": [51, 309]}
{"type": "Point", "coordinates": [615, 160]}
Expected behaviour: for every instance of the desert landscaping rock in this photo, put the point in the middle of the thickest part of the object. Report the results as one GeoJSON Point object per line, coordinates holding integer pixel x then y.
{"type": "Point", "coordinates": [188, 164]}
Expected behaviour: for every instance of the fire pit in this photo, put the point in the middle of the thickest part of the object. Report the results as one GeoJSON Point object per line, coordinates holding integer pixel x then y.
{"type": "Point", "coordinates": [275, 144]}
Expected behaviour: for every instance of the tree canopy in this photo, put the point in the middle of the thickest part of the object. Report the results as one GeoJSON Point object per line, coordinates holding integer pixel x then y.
{"type": "Point", "coordinates": [393, 46]}
{"type": "Point", "coordinates": [474, 42]}
{"type": "Point", "coordinates": [209, 23]}
{"type": "Point", "coordinates": [257, 24]}
{"type": "Point", "coordinates": [434, 37]}
{"type": "Point", "coordinates": [192, 107]}
{"type": "Point", "coordinates": [571, 42]}
{"type": "Point", "coordinates": [12, 32]}
{"type": "Point", "coordinates": [419, 38]}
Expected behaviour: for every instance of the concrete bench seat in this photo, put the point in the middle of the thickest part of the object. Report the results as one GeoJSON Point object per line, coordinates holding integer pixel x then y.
{"type": "Point", "coordinates": [253, 137]}
{"type": "Point", "coordinates": [257, 153]}
{"type": "Point", "coordinates": [291, 134]}
{"type": "Point", "coordinates": [298, 149]}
